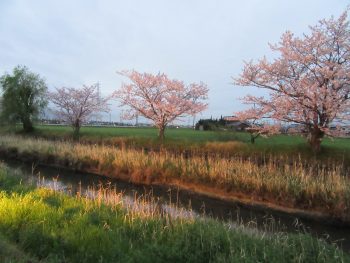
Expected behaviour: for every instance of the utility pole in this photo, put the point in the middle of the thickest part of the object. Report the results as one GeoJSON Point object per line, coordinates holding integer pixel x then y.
{"type": "Point", "coordinates": [121, 116]}
{"type": "Point", "coordinates": [99, 98]}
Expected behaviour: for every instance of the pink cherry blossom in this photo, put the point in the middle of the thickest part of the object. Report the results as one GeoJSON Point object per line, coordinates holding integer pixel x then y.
{"type": "Point", "coordinates": [76, 106]}
{"type": "Point", "coordinates": [160, 99]}
{"type": "Point", "coordinates": [308, 83]}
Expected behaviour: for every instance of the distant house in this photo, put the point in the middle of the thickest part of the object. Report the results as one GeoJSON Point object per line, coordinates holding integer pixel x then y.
{"type": "Point", "coordinates": [343, 131]}
{"type": "Point", "coordinates": [224, 123]}
{"type": "Point", "coordinates": [296, 128]}
{"type": "Point", "coordinates": [347, 130]}
{"type": "Point", "coordinates": [233, 123]}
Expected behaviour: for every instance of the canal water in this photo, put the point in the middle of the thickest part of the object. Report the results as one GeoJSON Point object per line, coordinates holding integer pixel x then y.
{"type": "Point", "coordinates": [179, 202]}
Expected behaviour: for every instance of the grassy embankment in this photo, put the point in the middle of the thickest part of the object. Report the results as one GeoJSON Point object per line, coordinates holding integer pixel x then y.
{"type": "Point", "coordinates": [40, 225]}
{"type": "Point", "coordinates": [291, 185]}
{"type": "Point", "coordinates": [224, 143]}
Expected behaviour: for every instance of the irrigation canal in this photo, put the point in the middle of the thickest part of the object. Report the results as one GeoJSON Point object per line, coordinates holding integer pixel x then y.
{"type": "Point", "coordinates": [184, 203]}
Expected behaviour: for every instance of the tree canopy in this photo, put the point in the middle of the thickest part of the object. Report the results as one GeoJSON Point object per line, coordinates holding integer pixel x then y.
{"type": "Point", "coordinates": [160, 99]}
{"type": "Point", "coordinates": [23, 97]}
{"type": "Point", "coordinates": [308, 83]}
{"type": "Point", "coordinates": [76, 106]}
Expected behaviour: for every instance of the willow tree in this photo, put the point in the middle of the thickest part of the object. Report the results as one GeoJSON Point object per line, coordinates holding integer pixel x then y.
{"type": "Point", "coordinates": [308, 81]}
{"type": "Point", "coordinates": [160, 99]}
{"type": "Point", "coordinates": [23, 96]}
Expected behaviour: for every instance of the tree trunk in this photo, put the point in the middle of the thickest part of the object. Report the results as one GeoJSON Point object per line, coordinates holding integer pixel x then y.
{"type": "Point", "coordinates": [76, 129]}
{"type": "Point", "coordinates": [161, 133]}
{"type": "Point", "coordinates": [315, 139]}
{"type": "Point", "coordinates": [252, 139]}
{"type": "Point", "coordinates": [27, 125]}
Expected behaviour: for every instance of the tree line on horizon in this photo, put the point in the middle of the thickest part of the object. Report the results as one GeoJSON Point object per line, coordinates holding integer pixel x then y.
{"type": "Point", "coordinates": [308, 84]}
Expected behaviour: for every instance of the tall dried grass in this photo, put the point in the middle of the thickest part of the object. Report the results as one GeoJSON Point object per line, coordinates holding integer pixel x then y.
{"type": "Point", "coordinates": [278, 180]}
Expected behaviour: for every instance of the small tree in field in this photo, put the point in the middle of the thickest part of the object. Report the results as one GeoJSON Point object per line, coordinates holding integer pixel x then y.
{"type": "Point", "coordinates": [160, 99]}
{"type": "Point", "coordinates": [309, 82]}
{"type": "Point", "coordinates": [76, 106]}
{"type": "Point", "coordinates": [24, 96]}
{"type": "Point", "coordinates": [256, 127]}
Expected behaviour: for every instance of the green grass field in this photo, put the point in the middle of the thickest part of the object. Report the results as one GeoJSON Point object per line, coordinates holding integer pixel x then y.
{"type": "Point", "coordinates": [183, 138]}
{"type": "Point", "coordinates": [225, 143]}
{"type": "Point", "coordinates": [186, 135]}
{"type": "Point", "coordinates": [181, 134]}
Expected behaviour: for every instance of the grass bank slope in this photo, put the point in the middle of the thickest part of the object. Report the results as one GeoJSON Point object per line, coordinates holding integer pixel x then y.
{"type": "Point", "coordinates": [225, 143]}
{"type": "Point", "coordinates": [48, 226]}
{"type": "Point", "coordinates": [311, 187]}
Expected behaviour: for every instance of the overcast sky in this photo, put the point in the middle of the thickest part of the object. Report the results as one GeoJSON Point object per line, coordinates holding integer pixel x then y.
{"type": "Point", "coordinates": [71, 43]}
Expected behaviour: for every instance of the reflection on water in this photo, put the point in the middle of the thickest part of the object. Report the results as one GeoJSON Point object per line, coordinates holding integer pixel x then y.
{"type": "Point", "coordinates": [151, 200]}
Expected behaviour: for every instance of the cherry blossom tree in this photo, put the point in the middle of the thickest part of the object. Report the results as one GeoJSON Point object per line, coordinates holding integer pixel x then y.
{"type": "Point", "coordinates": [160, 99]}
{"type": "Point", "coordinates": [261, 129]}
{"type": "Point", "coordinates": [256, 127]}
{"type": "Point", "coordinates": [308, 83]}
{"type": "Point", "coordinates": [76, 106]}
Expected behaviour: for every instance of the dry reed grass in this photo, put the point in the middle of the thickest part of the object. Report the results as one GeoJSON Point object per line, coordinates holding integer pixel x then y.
{"type": "Point", "coordinates": [293, 184]}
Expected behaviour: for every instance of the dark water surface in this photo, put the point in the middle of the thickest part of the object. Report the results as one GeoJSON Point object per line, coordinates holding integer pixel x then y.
{"type": "Point", "coordinates": [189, 203]}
